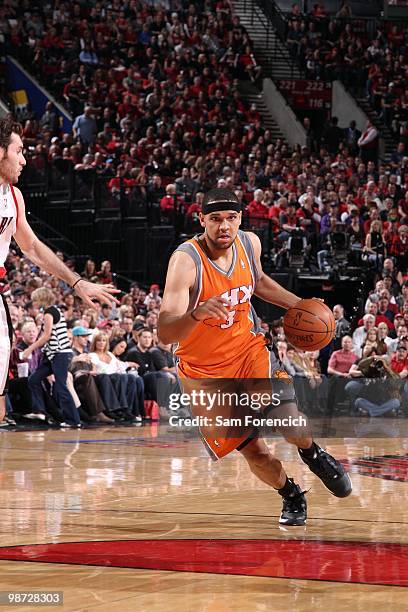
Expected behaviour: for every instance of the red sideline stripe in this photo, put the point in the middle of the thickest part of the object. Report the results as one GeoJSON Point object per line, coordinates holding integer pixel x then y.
{"type": "Point", "coordinates": [354, 562]}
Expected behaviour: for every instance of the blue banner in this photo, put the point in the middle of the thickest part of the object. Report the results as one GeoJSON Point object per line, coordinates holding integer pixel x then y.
{"type": "Point", "coordinates": [24, 90]}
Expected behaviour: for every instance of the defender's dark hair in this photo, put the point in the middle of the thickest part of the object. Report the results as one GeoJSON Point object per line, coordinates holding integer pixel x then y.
{"type": "Point", "coordinates": [8, 126]}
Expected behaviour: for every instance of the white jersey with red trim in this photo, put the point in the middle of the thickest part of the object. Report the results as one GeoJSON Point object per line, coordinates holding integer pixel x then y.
{"type": "Point", "coordinates": [8, 220]}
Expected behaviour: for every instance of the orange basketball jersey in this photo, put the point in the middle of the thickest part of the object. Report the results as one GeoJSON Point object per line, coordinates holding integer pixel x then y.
{"type": "Point", "coordinates": [215, 348]}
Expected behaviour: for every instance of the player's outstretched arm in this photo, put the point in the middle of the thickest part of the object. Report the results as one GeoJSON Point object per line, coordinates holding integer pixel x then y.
{"type": "Point", "coordinates": [42, 256]}
{"type": "Point", "coordinates": [176, 319]}
{"type": "Point", "coordinates": [266, 288]}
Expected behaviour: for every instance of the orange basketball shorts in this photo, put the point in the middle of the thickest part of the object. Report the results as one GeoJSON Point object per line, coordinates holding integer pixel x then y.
{"type": "Point", "coordinates": [225, 426]}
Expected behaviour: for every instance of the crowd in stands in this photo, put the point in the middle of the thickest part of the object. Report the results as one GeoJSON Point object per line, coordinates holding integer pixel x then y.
{"type": "Point", "coordinates": [372, 60]}
{"type": "Point", "coordinates": [151, 91]}
{"type": "Point", "coordinates": [366, 365]}
{"type": "Point", "coordinates": [159, 118]}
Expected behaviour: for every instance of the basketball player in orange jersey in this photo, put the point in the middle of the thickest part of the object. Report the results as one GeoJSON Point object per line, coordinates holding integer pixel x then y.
{"type": "Point", "coordinates": [13, 224]}
{"type": "Point", "coordinates": [206, 310]}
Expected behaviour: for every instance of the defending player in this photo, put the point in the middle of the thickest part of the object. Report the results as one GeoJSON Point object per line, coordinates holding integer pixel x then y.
{"type": "Point", "coordinates": [13, 224]}
{"type": "Point", "coordinates": [206, 310]}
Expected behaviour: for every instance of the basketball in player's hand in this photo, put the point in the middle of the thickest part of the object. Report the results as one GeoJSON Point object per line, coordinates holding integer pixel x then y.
{"type": "Point", "coordinates": [309, 325]}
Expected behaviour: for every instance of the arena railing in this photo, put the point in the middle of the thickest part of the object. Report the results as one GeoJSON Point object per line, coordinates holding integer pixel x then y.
{"type": "Point", "coordinates": [276, 16]}
{"type": "Point", "coordinates": [280, 22]}
{"type": "Point", "coordinates": [271, 21]}
{"type": "Point", "coordinates": [279, 19]}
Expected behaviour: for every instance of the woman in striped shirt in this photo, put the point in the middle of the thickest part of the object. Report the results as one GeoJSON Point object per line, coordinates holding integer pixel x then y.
{"type": "Point", "coordinates": [57, 355]}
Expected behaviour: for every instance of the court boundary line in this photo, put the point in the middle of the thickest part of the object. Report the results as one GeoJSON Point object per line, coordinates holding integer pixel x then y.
{"type": "Point", "coordinates": [95, 510]}
{"type": "Point", "coordinates": [354, 542]}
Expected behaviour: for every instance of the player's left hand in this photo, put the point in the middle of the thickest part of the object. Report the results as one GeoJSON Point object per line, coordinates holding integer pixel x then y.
{"type": "Point", "coordinates": [103, 293]}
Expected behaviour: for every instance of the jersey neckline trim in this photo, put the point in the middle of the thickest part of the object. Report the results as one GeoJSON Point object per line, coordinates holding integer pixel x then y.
{"type": "Point", "coordinates": [228, 273]}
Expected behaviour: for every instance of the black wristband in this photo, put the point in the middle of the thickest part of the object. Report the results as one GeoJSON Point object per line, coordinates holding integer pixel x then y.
{"type": "Point", "coordinates": [77, 281]}
{"type": "Point", "coordinates": [195, 318]}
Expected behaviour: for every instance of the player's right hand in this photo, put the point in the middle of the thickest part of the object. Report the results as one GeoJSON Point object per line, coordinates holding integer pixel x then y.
{"type": "Point", "coordinates": [103, 293]}
{"type": "Point", "coordinates": [215, 308]}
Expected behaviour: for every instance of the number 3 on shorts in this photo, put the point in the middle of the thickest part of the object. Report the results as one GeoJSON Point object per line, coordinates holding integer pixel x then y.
{"type": "Point", "coordinates": [230, 320]}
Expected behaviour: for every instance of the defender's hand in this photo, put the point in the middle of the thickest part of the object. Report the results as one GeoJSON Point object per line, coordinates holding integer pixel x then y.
{"type": "Point", "coordinates": [103, 293]}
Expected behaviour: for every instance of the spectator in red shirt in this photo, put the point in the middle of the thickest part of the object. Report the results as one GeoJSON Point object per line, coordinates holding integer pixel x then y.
{"type": "Point", "coordinates": [308, 216]}
{"type": "Point", "coordinates": [288, 221]}
{"type": "Point", "coordinates": [399, 246]}
{"type": "Point", "coordinates": [192, 222]}
{"type": "Point", "coordinates": [341, 361]}
{"type": "Point", "coordinates": [171, 200]}
{"type": "Point", "coordinates": [105, 274]}
{"type": "Point", "coordinates": [374, 215]}
{"type": "Point", "coordinates": [120, 180]}
{"type": "Point", "coordinates": [195, 207]}
{"type": "Point", "coordinates": [359, 198]}
{"type": "Point", "coordinates": [318, 11]}
{"type": "Point", "coordinates": [257, 207]}
{"type": "Point", "coordinates": [278, 207]}
{"type": "Point", "coordinates": [253, 115]}
{"type": "Point", "coordinates": [399, 361]}
{"type": "Point", "coordinates": [379, 318]}
{"type": "Point", "coordinates": [368, 143]}
{"type": "Point", "coordinates": [384, 308]}
{"type": "Point", "coordinates": [74, 95]}
{"type": "Point", "coordinates": [249, 64]}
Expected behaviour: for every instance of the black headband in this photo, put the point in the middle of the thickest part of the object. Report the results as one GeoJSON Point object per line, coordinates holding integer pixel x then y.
{"type": "Point", "coordinates": [219, 205]}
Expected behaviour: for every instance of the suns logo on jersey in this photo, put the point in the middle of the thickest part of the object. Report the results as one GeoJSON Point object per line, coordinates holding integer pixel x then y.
{"type": "Point", "coordinates": [236, 296]}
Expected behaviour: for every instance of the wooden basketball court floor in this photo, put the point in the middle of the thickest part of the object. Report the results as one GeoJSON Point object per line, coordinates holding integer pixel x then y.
{"type": "Point", "coordinates": [142, 519]}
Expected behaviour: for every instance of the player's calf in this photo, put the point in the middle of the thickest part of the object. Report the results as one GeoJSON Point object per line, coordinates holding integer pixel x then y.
{"type": "Point", "coordinates": [262, 463]}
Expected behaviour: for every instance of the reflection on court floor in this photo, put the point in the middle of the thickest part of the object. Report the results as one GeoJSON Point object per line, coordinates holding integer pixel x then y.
{"type": "Point", "coordinates": [146, 519]}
